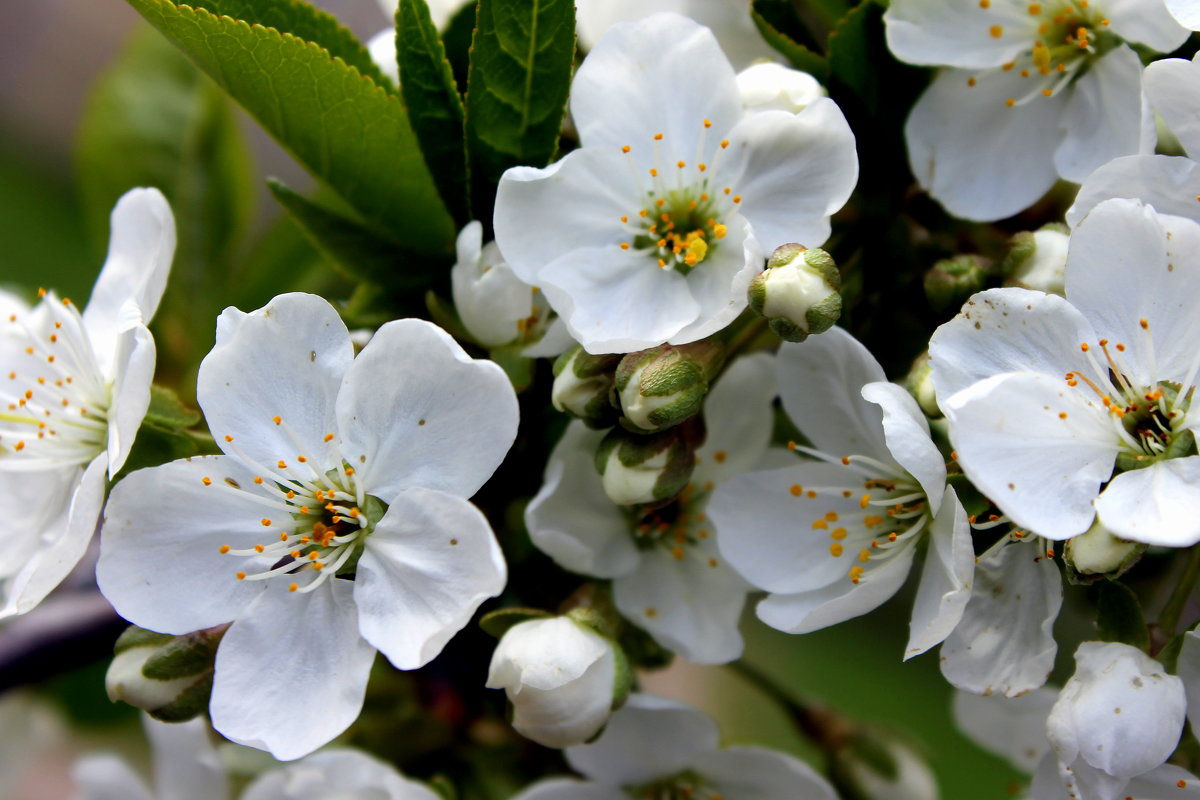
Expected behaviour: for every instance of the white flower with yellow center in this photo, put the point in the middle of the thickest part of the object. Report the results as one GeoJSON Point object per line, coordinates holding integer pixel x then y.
{"type": "Point", "coordinates": [834, 538]}
{"type": "Point", "coordinates": [1064, 409]}
{"type": "Point", "coordinates": [1033, 91]}
{"type": "Point", "coordinates": [334, 525]}
{"type": "Point", "coordinates": [73, 391]}
{"type": "Point", "coordinates": [651, 231]}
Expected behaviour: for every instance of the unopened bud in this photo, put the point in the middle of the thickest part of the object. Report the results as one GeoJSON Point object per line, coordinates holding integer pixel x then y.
{"type": "Point", "coordinates": [562, 677]}
{"type": "Point", "coordinates": [1097, 552]}
{"type": "Point", "coordinates": [952, 280]}
{"type": "Point", "coordinates": [770, 86]}
{"type": "Point", "coordinates": [1038, 260]}
{"type": "Point", "coordinates": [583, 384]}
{"type": "Point", "coordinates": [798, 292]}
{"type": "Point", "coordinates": [661, 387]}
{"type": "Point", "coordinates": [168, 677]}
{"type": "Point", "coordinates": [919, 383]}
{"type": "Point", "coordinates": [649, 470]}
{"type": "Point", "coordinates": [875, 766]}
{"type": "Point", "coordinates": [495, 306]}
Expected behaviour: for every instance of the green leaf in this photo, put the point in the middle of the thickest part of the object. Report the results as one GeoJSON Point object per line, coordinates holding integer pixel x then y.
{"type": "Point", "coordinates": [777, 22]}
{"type": "Point", "coordinates": [168, 411]}
{"type": "Point", "coordinates": [521, 60]}
{"type": "Point", "coordinates": [456, 38]}
{"type": "Point", "coordinates": [852, 46]}
{"type": "Point", "coordinates": [499, 621]}
{"type": "Point", "coordinates": [1119, 615]}
{"type": "Point", "coordinates": [346, 129]}
{"type": "Point", "coordinates": [356, 251]}
{"type": "Point", "coordinates": [434, 105]}
{"type": "Point", "coordinates": [157, 445]}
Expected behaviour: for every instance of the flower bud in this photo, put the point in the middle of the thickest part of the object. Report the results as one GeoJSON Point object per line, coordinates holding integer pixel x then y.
{"type": "Point", "coordinates": [875, 766]}
{"type": "Point", "coordinates": [1038, 260]}
{"type": "Point", "coordinates": [769, 86]}
{"type": "Point", "coordinates": [168, 677]}
{"type": "Point", "coordinates": [919, 383]}
{"type": "Point", "coordinates": [661, 387]}
{"type": "Point", "coordinates": [562, 678]}
{"type": "Point", "coordinates": [583, 384]}
{"type": "Point", "coordinates": [952, 280]}
{"type": "Point", "coordinates": [1097, 552]}
{"type": "Point", "coordinates": [798, 292]}
{"type": "Point", "coordinates": [645, 470]}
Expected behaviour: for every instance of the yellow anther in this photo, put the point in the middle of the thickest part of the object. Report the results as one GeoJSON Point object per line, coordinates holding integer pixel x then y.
{"type": "Point", "coordinates": [856, 573]}
{"type": "Point", "coordinates": [241, 576]}
{"type": "Point", "coordinates": [864, 501]}
{"type": "Point", "coordinates": [281, 464]}
{"type": "Point", "coordinates": [1010, 102]}
{"type": "Point", "coordinates": [996, 31]}
{"type": "Point", "coordinates": [838, 533]}
{"type": "Point", "coordinates": [658, 137]}
{"type": "Point", "coordinates": [293, 587]}
{"type": "Point", "coordinates": [206, 481]}
{"type": "Point", "coordinates": [224, 549]}
{"type": "Point", "coordinates": [329, 437]}
{"type": "Point", "coordinates": [625, 149]}
{"type": "Point", "coordinates": [258, 548]}
{"type": "Point", "coordinates": [266, 523]}
{"type": "Point", "coordinates": [681, 164]}
{"type": "Point", "coordinates": [820, 525]}
{"type": "Point", "coordinates": [832, 516]}
{"type": "Point", "coordinates": [836, 550]}
{"type": "Point", "coordinates": [796, 490]}
{"type": "Point", "coordinates": [258, 479]}
{"type": "Point", "coordinates": [653, 172]}
{"type": "Point", "coordinates": [864, 555]}
{"type": "Point", "coordinates": [277, 419]}
{"type": "Point", "coordinates": [1035, 8]}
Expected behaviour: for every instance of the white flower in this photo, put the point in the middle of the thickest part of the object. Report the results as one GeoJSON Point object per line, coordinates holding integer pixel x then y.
{"type": "Point", "coordinates": [74, 389]}
{"type": "Point", "coordinates": [560, 677]}
{"type": "Point", "coordinates": [340, 774]}
{"type": "Point", "coordinates": [833, 539]}
{"type": "Point", "coordinates": [186, 767]}
{"type": "Point", "coordinates": [771, 86]}
{"type": "Point", "coordinates": [1046, 395]}
{"type": "Point", "coordinates": [654, 747]}
{"type": "Point", "coordinates": [1041, 261]}
{"type": "Point", "coordinates": [668, 576]}
{"type": "Point", "coordinates": [1186, 12]}
{"type": "Point", "coordinates": [1032, 92]}
{"type": "Point", "coordinates": [496, 306]}
{"type": "Point", "coordinates": [335, 467]}
{"type": "Point", "coordinates": [651, 231]}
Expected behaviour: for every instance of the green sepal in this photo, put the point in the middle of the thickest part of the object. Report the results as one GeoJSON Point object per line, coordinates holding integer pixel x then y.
{"type": "Point", "coordinates": [1119, 615]}
{"type": "Point", "coordinates": [777, 22]}
{"type": "Point", "coordinates": [168, 411]}
{"type": "Point", "coordinates": [157, 445]}
{"type": "Point", "coordinates": [824, 315]}
{"type": "Point", "coordinates": [498, 622]}
{"type": "Point", "coordinates": [446, 316]}
{"type": "Point", "coordinates": [191, 703]}
{"type": "Point", "coordinates": [642, 651]}
{"type": "Point", "coordinates": [184, 656]}
{"type": "Point", "coordinates": [133, 636]}
{"type": "Point", "coordinates": [973, 501]}
{"type": "Point", "coordinates": [518, 367]}
{"type": "Point", "coordinates": [442, 787]}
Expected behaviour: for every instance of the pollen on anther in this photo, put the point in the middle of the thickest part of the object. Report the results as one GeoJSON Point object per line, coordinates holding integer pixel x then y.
{"type": "Point", "coordinates": [224, 549]}
{"type": "Point", "coordinates": [329, 437]}
{"type": "Point", "coordinates": [625, 148]}
{"type": "Point", "coordinates": [266, 523]}
{"type": "Point", "coordinates": [681, 164]}
{"type": "Point", "coordinates": [846, 461]}
{"type": "Point", "coordinates": [1010, 102]}
{"type": "Point", "coordinates": [258, 548]}
{"type": "Point", "coordinates": [996, 31]}
{"type": "Point", "coordinates": [864, 501]}
{"type": "Point", "coordinates": [836, 549]}
{"type": "Point", "coordinates": [1145, 324]}
{"type": "Point", "coordinates": [241, 576]}
{"type": "Point", "coordinates": [228, 438]}
{"type": "Point", "coordinates": [206, 481]}
{"type": "Point", "coordinates": [301, 459]}
{"type": "Point", "coordinates": [258, 479]}
{"type": "Point", "coordinates": [658, 137]}
{"type": "Point", "coordinates": [653, 172]}
{"type": "Point", "coordinates": [1047, 92]}
{"type": "Point", "coordinates": [971, 81]}
{"type": "Point", "coordinates": [293, 587]}
{"type": "Point", "coordinates": [277, 419]}
{"type": "Point", "coordinates": [281, 464]}
{"type": "Point", "coordinates": [796, 490]}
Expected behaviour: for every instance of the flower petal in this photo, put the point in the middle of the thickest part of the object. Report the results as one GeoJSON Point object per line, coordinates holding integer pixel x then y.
{"type": "Point", "coordinates": [569, 789]}
{"type": "Point", "coordinates": [337, 773]}
{"type": "Point", "coordinates": [160, 561]}
{"type": "Point", "coordinates": [140, 249]}
{"type": "Point", "coordinates": [284, 360]}
{"type": "Point", "coordinates": [738, 420]}
{"type": "Point", "coordinates": [186, 766]}
{"type": "Point", "coordinates": [416, 410]}
{"type": "Point", "coordinates": [646, 739]}
{"type": "Point", "coordinates": [1010, 727]}
{"type": "Point", "coordinates": [1185, 12]}
{"type": "Point", "coordinates": [756, 773]}
{"type": "Point", "coordinates": [106, 777]}
{"type": "Point", "coordinates": [719, 284]}
{"type": "Point", "coordinates": [572, 520]}
{"type": "Point", "coordinates": [1167, 782]}
{"type": "Point", "coordinates": [1169, 183]}
{"type": "Point", "coordinates": [1171, 86]}
{"type": "Point", "coordinates": [906, 432]}
{"type": "Point", "coordinates": [1004, 643]}
{"type": "Point", "coordinates": [1156, 505]}
{"type": "Point", "coordinates": [132, 374]}
{"type": "Point", "coordinates": [946, 579]}
{"type": "Point", "coordinates": [979, 157]}
{"type": "Point", "coordinates": [428, 565]}
{"type": "Point", "coordinates": [793, 171]}
{"type": "Point", "coordinates": [1153, 24]}
{"type": "Point", "coordinates": [1189, 672]}
{"type": "Point", "coordinates": [957, 34]}
{"type": "Point", "coordinates": [291, 673]}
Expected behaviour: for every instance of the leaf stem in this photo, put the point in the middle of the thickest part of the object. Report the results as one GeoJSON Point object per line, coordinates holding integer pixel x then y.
{"type": "Point", "coordinates": [1168, 618]}
{"type": "Point", "coordinates": [823, 728]}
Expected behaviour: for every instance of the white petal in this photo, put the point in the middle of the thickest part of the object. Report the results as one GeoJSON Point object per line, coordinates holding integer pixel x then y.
{"type": "Point", "coordinates": [1127, 264]}
{"type": "Point", "coordinates": [416, 410]}
{"type": "Point", "coordinates": [793, 171]}
{"type": "Point", "coordinates": [647, 739]}
{"type": "Point", "coordinates": [337, 773]}
{"type": "Point", "coordinates": [1156, 505]}
{"type": "Point", "coordinates": [756, 773]}
{"type": "Point", "coordinates": [1171, 86]}
{"type": "Point", "coordinates": [820, 382]}
{"type": "Point", "coordinates": [1055, 780]}
{"type": "Point", "coordinates": [1150, 23]}
{"type": "Point", "coordinates": [820, 608]}
{"type": "Point", "coordinates": [1011, 727]}
{"type": "Point", "coordinates": [186, 766]}
{"type": "Point", "coordinates": [569, 789]}
{"type": "Point", "coordinates": [1105, 115]}
{"type": "Point", "coordinates": [1169, 183]}
{"type": "Point", "coordinates": [1167, 782]}
{"type": "Point", "coordinates": [555, 341]}
{"type": "Point", "coordinates": [491, 300]}
{"type": "Point", "coordinates": [1186, 12]}
{"type": "Point", "coordinates": [767, 86]}
{"type": "Point", "coordinates": [1004, 643]}
{"type": "Point", "coordinates": [957, 34]}
{"type": "Point", "coordinates": [1006, 330]}
{"type": "Point", "coordinates": [738, 420]}
{"type": "Point", "coordinates": [133, 372]}
{"type": "Point", "coordinates": [946, 579]}
{"type": "Point", "coordinates": [775, 535]}
{"type": "Point", "coordinates": [719, 284]}
{"type": "Point", "coordinates": [160, 561]}
{"type": "Point", "coordinates": [428, 565]}
{"type": "Point", "coordinates": [906, 432]}
{"type": "Point", "coordinates": [572, 520]}
{"type": "Point", "coordinates": [291, 673]}
{"type": "Point", "coordinates": [106, 777]}
{"type": "Point", "coordinates": [140, 249]}
{"type": "Point", "coordinates": [665, 74]}
{"type": "Point", "coordinates": [1037, 447]}
{"type": "Point", "coordinates": [284, 360]}
{"type": "Point", "coordinates": [691, 605]}
{"type": "Point", "coordinates": [1120, 712]}
{"type": "Point", "coordinates": [980, 158]}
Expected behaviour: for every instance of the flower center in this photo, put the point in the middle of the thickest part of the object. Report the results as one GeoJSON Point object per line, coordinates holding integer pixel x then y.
{"type": "Point", "coordinates": [680, 221]}
{"type": "Point", "coordinates": [679, 527]}
{"type": "Point", "coordinates": [685, 786]}
{"type": "Point", "coordinates": [54, 399]}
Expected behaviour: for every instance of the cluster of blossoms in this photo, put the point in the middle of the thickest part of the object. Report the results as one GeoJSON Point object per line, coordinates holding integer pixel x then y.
{"type": "Point", "coordinates": [727, 442]}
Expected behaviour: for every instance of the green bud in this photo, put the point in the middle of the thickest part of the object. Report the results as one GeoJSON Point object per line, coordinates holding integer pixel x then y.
{"type": "Point", "coordinates": [661, 387]}
{"type": "Point", "coordinates": [583, 386]}
{"type": "Point", "coordinates": [919, 383]}
{"type": "Point", "coordinates": [168, 677]}
{"type": "Point", "coordinates": [1097, 552]}
{"type": "Point", "coordinates": [872, 765]}
{"type": "Point", "coordinates": [649, 470]}
{"type": "Point", "coordinates": [797, 292]}
{"type": "Point", "coordinates": [952, 280]}
{"type": "Point", "coordinates": [1038, 260]}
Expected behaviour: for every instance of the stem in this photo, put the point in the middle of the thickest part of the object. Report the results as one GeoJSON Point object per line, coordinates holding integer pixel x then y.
{"type": "Point", "coordinates": [744, 335]}
{"type": "Point", "coordinates": [1168, 618]}
{"type": "Point", "coordinates": [824, 728]}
